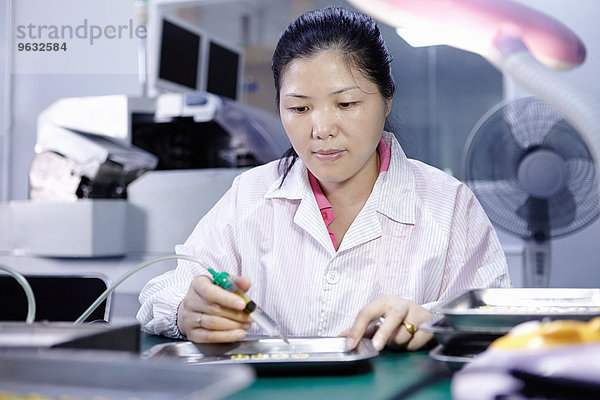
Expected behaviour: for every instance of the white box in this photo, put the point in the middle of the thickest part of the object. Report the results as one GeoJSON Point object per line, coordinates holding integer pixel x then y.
{"type": "Point", "coordinates": [84, 228]}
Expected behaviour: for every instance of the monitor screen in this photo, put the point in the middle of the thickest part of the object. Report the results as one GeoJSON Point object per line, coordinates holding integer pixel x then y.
{"type": "Point", "coordinates": [223, 70]}
{"type": "Point", "coordinates": [180, 51]}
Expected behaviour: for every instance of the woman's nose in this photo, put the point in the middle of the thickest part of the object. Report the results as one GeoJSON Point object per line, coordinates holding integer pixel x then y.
{"type": "Point", "coordinates": [324, 125]}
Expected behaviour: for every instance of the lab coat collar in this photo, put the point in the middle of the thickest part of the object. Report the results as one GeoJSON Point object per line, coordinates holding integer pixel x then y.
{"type": "Point", "coordinates": [398, 198]}
{"type": "Point", "coordinates": [308, 216]}
{"type": "Point", "coordinates": [393, 196]}
{"type": "Point", "coordinates": [295, 187]}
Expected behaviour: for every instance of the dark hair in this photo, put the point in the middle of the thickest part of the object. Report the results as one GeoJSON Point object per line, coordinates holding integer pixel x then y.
{"type": "Point", "coordinates": [355, 35]}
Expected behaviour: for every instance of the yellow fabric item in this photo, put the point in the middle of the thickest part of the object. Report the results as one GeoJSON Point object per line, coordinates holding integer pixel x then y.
{"type": "Point", "coordinates": [542, 335]}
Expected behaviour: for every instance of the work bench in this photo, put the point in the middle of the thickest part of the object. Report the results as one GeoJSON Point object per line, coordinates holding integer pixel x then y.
{"type": "Point", "coordinates": [410, 375]}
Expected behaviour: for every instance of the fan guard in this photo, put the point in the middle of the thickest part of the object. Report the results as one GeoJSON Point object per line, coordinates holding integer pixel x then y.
{"type": "Point", "coordinates": [531, 171]}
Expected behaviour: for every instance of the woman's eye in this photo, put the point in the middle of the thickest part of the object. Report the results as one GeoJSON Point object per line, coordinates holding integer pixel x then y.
{"type": "Point", "coordinates": [346, 104]}
{"type": "Point", "coordinates": [299, 109]}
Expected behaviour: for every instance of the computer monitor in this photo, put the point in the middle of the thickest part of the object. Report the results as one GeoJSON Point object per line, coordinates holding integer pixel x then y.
{"type": "Point", "coordinates": [224, 68]}
{"type": "Point", "coordinates": [180, 56]}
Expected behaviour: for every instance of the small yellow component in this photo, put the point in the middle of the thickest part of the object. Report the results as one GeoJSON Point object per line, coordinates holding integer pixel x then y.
{"type": "Point", "coordinates": [240, 357]}
{"type": "Point", "coordinates": [259, 356]}
{"type": "Point", "coordinates": [280, 356]}
{"type": "Point", "coordinates": [540, 335]}
{"type": "Point", "coordinates": [30, 396]}
{"type": "Point", "coordinates": [299, 355]}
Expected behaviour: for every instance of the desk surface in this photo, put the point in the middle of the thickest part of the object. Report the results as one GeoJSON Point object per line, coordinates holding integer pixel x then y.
{"type": "Point", "coordinates": [412, 373]}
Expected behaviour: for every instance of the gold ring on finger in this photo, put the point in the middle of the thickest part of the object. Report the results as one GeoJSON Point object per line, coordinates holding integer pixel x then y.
{"type": "Point", "coordinates": [410, 328]}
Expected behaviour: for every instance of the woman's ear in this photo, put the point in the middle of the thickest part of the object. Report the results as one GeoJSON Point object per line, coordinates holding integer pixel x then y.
{"type": "Point", "coordinates": [388, 106]}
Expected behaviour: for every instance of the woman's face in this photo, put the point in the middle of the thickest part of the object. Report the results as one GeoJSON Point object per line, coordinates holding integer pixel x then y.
{"type": "Point", "coordinates": [333, 116]}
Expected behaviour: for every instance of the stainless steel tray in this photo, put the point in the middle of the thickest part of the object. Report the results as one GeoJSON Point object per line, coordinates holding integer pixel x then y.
{"type": "Point", "coordinates": [447, 334]}
{"type": "Point", "coordinates": [20, 335]}
{"type": "Point", "coordinates": [504, 308]}
{"type": "Point", "coordinates": [456, 356]}
{"type": "Point", "coordinates": [94, 374]}
{"type": "Point", "coordinates": [300, 350]}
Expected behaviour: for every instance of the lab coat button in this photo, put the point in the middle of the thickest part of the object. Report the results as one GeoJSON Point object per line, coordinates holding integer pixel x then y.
{"type": "Point", "coordinates": [332, 277]}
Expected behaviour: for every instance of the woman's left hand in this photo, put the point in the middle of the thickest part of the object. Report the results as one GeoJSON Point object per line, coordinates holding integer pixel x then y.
{"type": "Point", "coordinates": [400, 327]}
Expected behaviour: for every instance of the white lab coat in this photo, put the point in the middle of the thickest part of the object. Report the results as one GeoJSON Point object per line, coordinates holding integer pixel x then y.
{"type": "Point", "coordinates": [421, 235]}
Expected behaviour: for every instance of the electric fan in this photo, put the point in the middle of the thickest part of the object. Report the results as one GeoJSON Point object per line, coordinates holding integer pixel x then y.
{"type": "Point", "coordinates": [534, 177]}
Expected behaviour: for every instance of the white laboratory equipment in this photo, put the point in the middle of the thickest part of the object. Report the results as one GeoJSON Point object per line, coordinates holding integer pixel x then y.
{"type": "Point", "coordinates": [118, 179]}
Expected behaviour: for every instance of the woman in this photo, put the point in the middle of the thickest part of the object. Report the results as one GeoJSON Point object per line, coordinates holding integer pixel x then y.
{"type": "Point", "coordinates": [344, 229]}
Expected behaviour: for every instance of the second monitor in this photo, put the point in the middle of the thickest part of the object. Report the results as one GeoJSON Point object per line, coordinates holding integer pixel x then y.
{"type": "Point", "coordinates": [224, 70]}
{"type": "Point", "coordinates": [190, 59]}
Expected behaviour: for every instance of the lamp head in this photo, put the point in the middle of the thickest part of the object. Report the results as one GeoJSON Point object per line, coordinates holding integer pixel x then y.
{"type": "Point", "coordinates": [479, 26]}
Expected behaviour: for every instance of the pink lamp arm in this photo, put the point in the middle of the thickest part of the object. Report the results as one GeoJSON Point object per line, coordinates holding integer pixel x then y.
{"type": "Point", "coordinates": [551, 42]}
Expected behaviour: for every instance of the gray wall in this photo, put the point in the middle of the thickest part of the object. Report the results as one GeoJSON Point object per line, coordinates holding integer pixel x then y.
{"type": "Point", "coordinates": [441, 93]}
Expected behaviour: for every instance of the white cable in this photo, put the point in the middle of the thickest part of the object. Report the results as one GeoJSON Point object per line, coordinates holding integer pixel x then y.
{"type": "Point", "coordinates": [126, 275]}
{"type": "Point", "coordinates": [28, 292]}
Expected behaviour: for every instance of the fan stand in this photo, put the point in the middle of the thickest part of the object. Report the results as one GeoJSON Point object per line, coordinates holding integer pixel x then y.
{"type": "Point", "coordinates": [541, 174]}
{"type": "Point", "coordinates": [536, 273]}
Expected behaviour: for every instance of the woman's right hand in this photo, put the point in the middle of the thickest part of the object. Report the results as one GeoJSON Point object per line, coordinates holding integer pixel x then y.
{"type": "Point", "coordinates": [211, 314]}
